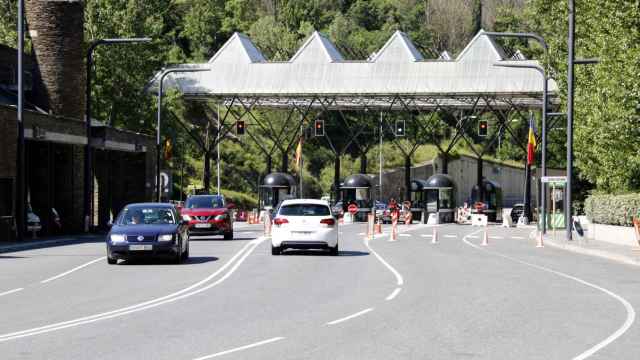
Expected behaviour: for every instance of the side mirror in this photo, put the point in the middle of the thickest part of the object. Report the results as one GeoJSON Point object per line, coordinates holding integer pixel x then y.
{"type": "Point", "coordinates": [184, 222]}
{"type": "Point", "coordinates": [110, 224]}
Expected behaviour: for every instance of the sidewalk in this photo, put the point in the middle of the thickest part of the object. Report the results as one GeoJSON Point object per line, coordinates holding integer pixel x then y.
{"type": "Point", "coordinates": [629, 255]}
{"type": "Point", "coordinates": [29, 244]}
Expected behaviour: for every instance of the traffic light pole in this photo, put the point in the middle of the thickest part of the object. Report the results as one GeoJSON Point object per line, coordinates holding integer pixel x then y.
{"type": "Point", "coordinates": [159, 122]}
{"type": "Point", "coordinates": [21, 214]}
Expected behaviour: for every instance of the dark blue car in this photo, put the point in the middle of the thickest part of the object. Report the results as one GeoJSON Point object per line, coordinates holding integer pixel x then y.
{"type": "Point", "coordinates": [148, 230]}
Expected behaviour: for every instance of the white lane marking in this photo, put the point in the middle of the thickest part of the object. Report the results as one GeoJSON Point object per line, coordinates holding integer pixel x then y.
{"type": "Point", "coordinates": [144, 305]}
{"type": "Point", "coordinates": [72, 270]}
{"type": "Point", "coordinates": [393, 294]}
{"type": "Point", "coordinates": [496, 237]}
{"type": "Point", "coordinates": [11, 291]}
{"type": "Point", "coordinates": [399, 279]}
{"type": "Point", "coordinates": [405, 235]}
{"type": "Point", "coordinates": [425, 235]}
{"type": "Point", "coordinates": [256, 344]}
{"type": "Point", "coordinates": [361, 234]}
{"type": "Point", "coordinates": [631, 314]}
{"type": "Point", "coordinates": [450, 236]}
{"type": "Point", "coordinates": [350, 316]}
{"type": "Point", "coordinates": [518, 237]}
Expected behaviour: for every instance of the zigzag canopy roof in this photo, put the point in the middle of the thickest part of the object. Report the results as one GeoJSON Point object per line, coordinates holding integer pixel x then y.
{"type": "Point", "coordinates": [398, 70]}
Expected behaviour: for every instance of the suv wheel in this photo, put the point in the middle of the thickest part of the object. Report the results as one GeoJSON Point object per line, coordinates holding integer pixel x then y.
{"type": "Point", "coordinates": [334, 251]}
{"type": "Point", "coordinates": [275, 250]}
{"type": "Point", "coordinates": [111, 261]}
{"type": "Point", "coordinates": [228, 236]}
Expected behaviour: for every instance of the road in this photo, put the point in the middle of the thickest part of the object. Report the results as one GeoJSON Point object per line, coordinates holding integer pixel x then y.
{"type": "Point", "coordinates": [408, 299]}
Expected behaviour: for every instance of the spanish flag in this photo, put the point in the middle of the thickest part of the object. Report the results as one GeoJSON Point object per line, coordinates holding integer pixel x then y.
{"type": "Point", "coordinates": [531, 145]}
{"type": "Point", "coordinates": [298, 163]}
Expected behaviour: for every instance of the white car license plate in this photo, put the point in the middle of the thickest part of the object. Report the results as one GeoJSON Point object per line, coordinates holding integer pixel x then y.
{"type": "Point", "coordinates": [140, 247]}
{"type": "Point", "coordinates": [301, 234]}
{"type": "Point", "coordinates": [203, 226]}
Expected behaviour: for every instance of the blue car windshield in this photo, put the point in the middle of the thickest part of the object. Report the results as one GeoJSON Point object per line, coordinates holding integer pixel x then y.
{"type": "Point", "coordinates": [139, 215]}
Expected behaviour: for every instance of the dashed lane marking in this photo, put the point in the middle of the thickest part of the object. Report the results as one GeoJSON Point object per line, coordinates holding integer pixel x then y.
{"type": "Point", "coordinates": [359, 313]}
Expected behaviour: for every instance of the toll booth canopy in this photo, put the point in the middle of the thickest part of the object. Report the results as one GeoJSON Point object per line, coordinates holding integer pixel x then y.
{"type": "Point", "coordinates": [440, 197]}
{"type": "Point", "coordinates": [275, 188]}
{"type": "Point", "coordinates": [357, 188]}
{"type": "Point", "coordinates": [490, 198]}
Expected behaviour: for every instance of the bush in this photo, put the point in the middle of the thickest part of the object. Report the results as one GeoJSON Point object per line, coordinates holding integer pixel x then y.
{"type": "Point", "coordinates": [612, 209]}
{"type": "Point", "coordinates": [241, 200]}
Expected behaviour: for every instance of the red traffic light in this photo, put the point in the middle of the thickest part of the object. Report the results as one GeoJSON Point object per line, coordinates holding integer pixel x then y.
{"type": "Point", "coordinates": [319, 128]}
{"type": "Point", "coordinates": [240, 127]}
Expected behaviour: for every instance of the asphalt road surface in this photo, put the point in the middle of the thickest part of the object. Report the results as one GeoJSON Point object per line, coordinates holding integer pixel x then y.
{"type": "Point", "coordinates": [408, 299]}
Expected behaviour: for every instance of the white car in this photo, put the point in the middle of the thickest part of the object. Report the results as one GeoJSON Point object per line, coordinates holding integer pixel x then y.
{"type": "Point", "coordinates": [304, 224]}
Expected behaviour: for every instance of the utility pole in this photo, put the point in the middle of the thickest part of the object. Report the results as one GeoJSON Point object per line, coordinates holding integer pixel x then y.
{"type": "Point", "coordinates": [218, 148]}
{"type": "Point", "coordinates": [570, 77]}
{"type": "Point", "coordinates": [21, 214]}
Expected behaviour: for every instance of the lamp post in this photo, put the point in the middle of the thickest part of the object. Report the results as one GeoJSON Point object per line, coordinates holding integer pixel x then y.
{"type": "Point", "coordinates": [545, 101]}
{"type": "Point", "coordinates": [20, 212]}
{"type": "Point", "coordinates": [159, 121]}
{"type": "Point", "coordinates": [88, 164]}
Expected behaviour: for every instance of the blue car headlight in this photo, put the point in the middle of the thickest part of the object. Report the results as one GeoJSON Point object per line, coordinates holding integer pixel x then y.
{"type": "Point", "coordinates": [118, 238]}
{"type": "Point", "coordinates": [165, 237]}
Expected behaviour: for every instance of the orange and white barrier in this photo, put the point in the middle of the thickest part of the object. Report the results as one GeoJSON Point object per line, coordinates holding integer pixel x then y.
{"type": "Point", "coordinates": [485, 238]}
{"type": "Point", "coordinates": [408, 218]}
{"type": "Point", "coordinates": [394, 226]}
{"type": "Point", "coordinates": [540, 242]}
{"type": "Point", "coordinates": [267, 223]}
{"type": "Point", "coordinates": [434, 235]}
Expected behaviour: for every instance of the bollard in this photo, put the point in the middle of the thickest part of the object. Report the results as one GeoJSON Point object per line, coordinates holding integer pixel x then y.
{"type": "Point", "coordinates": [540, 242]}
{"type": "Point", "coordinates": [485, 238]}
{"type": "Point", "coordinates": [378, 227]}
{"type": "Point", "coordinates": [267, 224]}
{"type": "Point", "coordinates": [434, 236]}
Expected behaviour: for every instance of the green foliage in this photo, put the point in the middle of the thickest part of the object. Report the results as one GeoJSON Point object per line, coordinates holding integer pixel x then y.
{"type": "Point", "coordinates": [612, 209]}
{"type": "Point", "coordinates": [241, 200]}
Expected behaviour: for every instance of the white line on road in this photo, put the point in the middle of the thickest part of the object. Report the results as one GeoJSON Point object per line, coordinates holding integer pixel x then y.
{"type": "Point", "coordinates": [393, 294]}
{"type": "Point", "coordinates": [426, 235]}
{"type": "Point", "coordinates": [11, 291]}
{"type": "Point", "coordinates": [405, 235]}
{"type": "Point", "coordinates": [399, 279]}
{"type": "Point", "coordinates": [450, 236]}
{"type": "Point", "coordinates": [631, 314]}
{"type": "Point", "coordinates": [72, 270]}
{"type": "Point", "coordinates": [518, 237]}
{"type": "Point", "coordinates": [350, 316]}
{"type": "Point", "coordinates": [241, 254]}
{"type": "Point", "coordinates": [496, 237]}
{"type": "Point", "coordinates": [259, 343]}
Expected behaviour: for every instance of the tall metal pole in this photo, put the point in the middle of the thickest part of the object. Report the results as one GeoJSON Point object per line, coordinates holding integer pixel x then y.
{"type": "Point", "coordinates": [159, 122]}
{"type": "Point", "coordinates": [88, 164]}
{"type": "Point", "coordinates": [20, 212]}
{"type": "Point", "coordinates": [218, 148]}
{"type": "Point", "coordinates": [380, 157]}
{"type": "Point", "coordinates": [570, 89]}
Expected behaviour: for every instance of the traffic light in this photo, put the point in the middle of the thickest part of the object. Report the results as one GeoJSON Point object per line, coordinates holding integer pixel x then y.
{"type": "Point", "coordinates": [319, 128]}
{"type": "Point", "coordinates": [483, 128]}
{"type": "Point", "coordinates": [240, 127]}
{"type": "Point", "coordinates": [400, 129]}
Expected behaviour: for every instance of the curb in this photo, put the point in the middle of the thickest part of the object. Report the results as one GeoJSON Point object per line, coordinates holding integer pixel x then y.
{"type": "Point", "coordinates": [38, 244]}
{"type": "Point", "coordinates": [628, 260]}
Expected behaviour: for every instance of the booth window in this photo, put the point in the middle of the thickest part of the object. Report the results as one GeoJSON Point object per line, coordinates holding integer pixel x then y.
{"type": "Point", "coordinates": [446, 199]}
{"type": "Point", "coordinates": [432, 200]}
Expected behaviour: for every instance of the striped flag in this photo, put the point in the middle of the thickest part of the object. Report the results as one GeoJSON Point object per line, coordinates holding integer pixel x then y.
{"type": "Point", "coordinates": [531, 144]}
{"type": "Point", "coordinates": [298, 163]}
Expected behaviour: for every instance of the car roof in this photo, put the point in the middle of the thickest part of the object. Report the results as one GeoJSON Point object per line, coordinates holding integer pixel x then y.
{"type": "Point", "coordinates": [150, 204]}
{"type": "Point", "coordinates": [304, 201]}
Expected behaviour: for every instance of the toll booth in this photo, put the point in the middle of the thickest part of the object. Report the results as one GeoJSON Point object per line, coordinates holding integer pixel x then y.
{"type": "Point", "coordinates": [439, 194]}
{"type": "Point", "coordinates": [418, 199]}
{"type": "Point", "coordinates": [275, 188]}
{"type": "Point", "coordinates": [490, 203]}
{"type": "Point", "coordinates": [357, 188]}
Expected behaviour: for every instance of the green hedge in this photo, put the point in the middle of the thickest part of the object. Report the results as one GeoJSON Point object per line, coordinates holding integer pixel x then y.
{"type": "Point", "coordinates": [242, 201]}
{"type": "Point", "coordinates": [612, 209]}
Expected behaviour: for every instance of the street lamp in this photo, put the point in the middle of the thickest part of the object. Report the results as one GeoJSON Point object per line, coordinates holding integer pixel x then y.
{"type": "Point", "coordinates": [88, 170]}
{"type": "Point", "coordinates": [158, 145]}
{"type": "Point", "coordinates": [20, 212]}
{"type": "Point", "coordinates": [545, 101]}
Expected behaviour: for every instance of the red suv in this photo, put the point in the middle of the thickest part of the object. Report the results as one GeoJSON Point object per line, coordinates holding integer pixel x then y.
{"type": "Point", "coordinates": [208, 215]}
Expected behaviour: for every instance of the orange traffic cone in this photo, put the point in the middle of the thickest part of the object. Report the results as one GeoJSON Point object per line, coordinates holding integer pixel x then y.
{"type": "Point", "coordinates": [485, 238]}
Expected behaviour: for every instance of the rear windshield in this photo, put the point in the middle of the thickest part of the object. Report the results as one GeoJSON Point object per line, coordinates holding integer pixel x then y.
{"type": "Point", "coordinates": [305, 210]}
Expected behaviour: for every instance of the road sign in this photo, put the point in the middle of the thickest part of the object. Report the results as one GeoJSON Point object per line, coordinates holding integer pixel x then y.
{"type": "Point", "coordinates": [165, 182]}
{"type": "Point", "coordinates": [554, 179]}
{"type": "Point", "coordinates": [353, 209]}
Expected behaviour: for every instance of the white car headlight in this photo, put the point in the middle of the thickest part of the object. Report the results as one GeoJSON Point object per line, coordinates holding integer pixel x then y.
{"type": "Point", "coordinates": [221, 217]}
{"type": "Point", "coordinates": [186, 217]}
{"type": "Point", "coordinates": [118, 238]}
{"type": "Point", "coordinates": [165, 237]}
